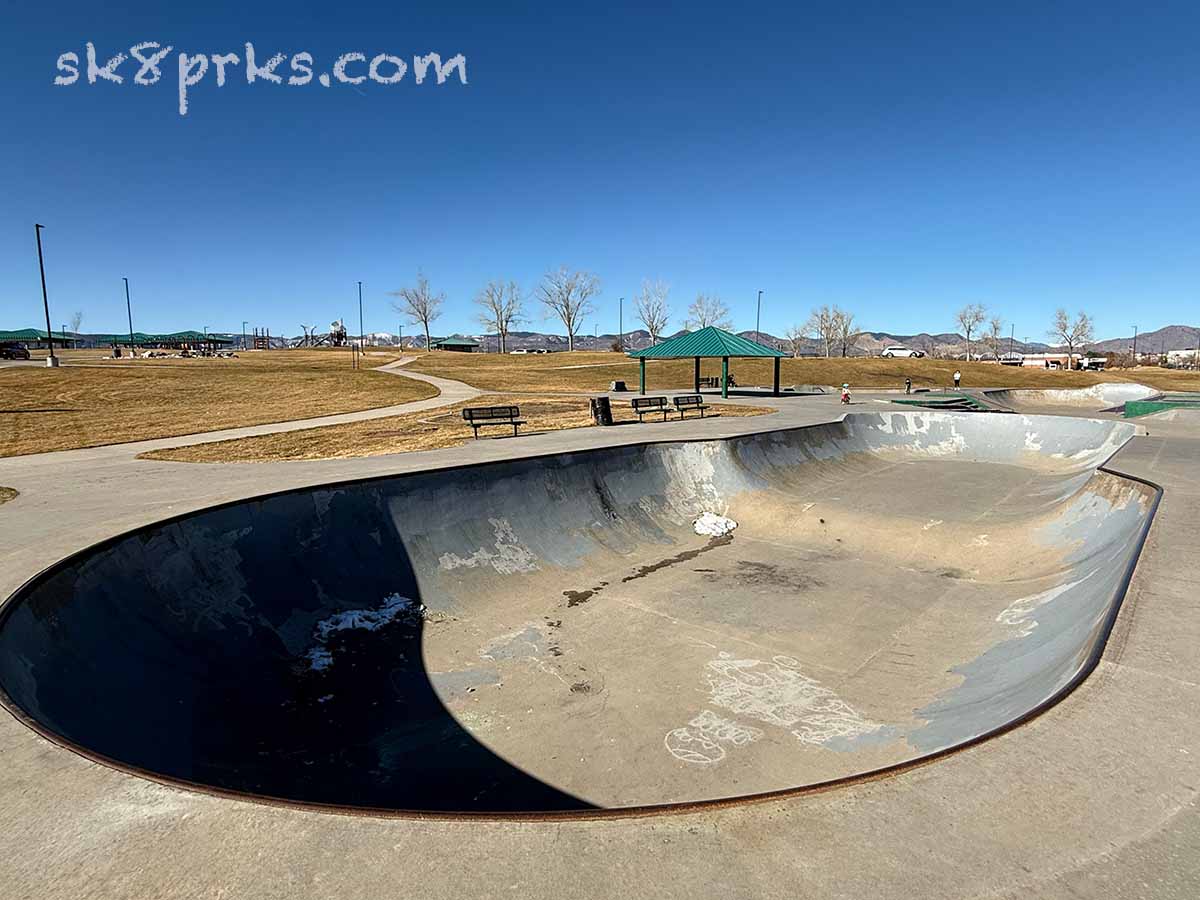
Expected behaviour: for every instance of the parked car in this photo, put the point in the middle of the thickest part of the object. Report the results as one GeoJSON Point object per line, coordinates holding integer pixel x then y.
{"type": "Point", "coordinates": [13, 351]}
{"type": "Point", "coordinates": [517, 352]}
{"type": "Point", "coordinates": [899, 352]}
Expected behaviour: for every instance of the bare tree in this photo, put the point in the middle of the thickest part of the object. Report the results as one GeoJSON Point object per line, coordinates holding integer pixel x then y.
{"type": "Point", "coordinates": [843, 329]}
{"type": "Point", "coordinates": [76, 321]}
{"type": "Point", "coordinates": [1070, 333]}
{"type": "Point", "coordinates": [796, 336]}
{"type": "Point", "coordinates": [708, 310]}
{"type": "Point", "coordinates": [419, 304]}
{"type": "Point", "coordinates": [652, 307]}
{"type": "Point", "coordinates": [568, 295]}
{"type": "Point", "coordinates": [969, 318]}
{"type": "Point", "coordinates": [500, 307]}
{"type": "Point", "coordinates": [994, 337]}
{"type": "Point", "coordinates": [823, 324]}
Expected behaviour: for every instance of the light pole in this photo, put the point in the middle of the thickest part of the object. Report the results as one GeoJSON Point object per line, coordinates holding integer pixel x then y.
{"type": "Point", "coordinates": [1011, 334]}
{"type": "Point", "coordinates": [51, 360]}
{"type": "Point", "coordinates": [1135, 345]}
{"type": "Point", "coordinates": [128, 312]}
{"type": "Point", "coordinates": [361, 341]}
{"type": "Point", "coordinates": [243, 334]}
{"type": "Point", "coordinates": [758, 319]}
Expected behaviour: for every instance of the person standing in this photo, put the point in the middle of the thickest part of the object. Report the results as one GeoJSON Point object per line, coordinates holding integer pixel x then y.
{"type": "Point", "coordinates": [908, 384]}
{"type": "Point", "coordinates": [957, 379]}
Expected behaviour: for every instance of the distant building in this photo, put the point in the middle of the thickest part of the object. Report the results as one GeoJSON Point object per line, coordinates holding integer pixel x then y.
{"type": "Point", "coordinates": [1053, 360]}
{"type": "Point", "coordinates": [456, 345]}
{"type": "Point", "coordinates": [1182, 359]}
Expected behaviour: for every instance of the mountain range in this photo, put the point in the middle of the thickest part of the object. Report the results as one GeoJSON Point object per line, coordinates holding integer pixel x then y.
{"type": "Point", "coordinates": [867, 343]}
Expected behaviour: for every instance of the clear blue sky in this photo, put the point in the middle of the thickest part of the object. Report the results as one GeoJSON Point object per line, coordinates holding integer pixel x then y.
{"type": "Point", "coordinates": [900, 160]}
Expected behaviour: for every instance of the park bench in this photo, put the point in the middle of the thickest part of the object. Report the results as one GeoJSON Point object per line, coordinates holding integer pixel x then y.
{"type": "Point", "coordinates": [479, 416]}
{"type": "Point", "coordinates": [690, 401]}
{"type": "Point", "coordinates": [643, 405]}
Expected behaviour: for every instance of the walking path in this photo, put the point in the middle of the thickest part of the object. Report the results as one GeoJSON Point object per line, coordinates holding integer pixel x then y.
{"type": "Point", "coordinates": [1095, 798]}
{"type": "Point", "coordinates": [451, 392]}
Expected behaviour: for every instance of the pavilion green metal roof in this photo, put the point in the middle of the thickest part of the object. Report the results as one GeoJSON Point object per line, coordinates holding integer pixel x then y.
{"type": "Point", "coordinates": [23, 334]}
{"type": "Point", "coordinates": [139, 337]}
{"type": "Point", "coordinates": [708, 342]}
{"type": "Point", "coordinates": [455, 342]}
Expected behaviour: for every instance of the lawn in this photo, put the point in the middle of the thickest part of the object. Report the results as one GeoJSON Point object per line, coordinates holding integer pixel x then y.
{"type": "Point", "coordinates": [592, 371]}
{"type": "Point", "coordinates": [429, 430]}
{"type": "Point", "coordinates": [88, 402]}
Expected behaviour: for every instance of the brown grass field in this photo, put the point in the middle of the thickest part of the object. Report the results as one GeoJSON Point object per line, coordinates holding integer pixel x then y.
{"type": "Point", "coordinates": [592, 371]}
{"type": "Point", "coordinates": [430, 430]}
{"type": "Point", "coordinates": [88, 402]}
{"type": "Point", "coordinates": [91, 401]}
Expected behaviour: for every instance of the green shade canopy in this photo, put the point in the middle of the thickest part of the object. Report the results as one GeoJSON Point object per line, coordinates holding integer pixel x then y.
{"type": "Point", "coordinates": [455, 342]}
{"type": "Point", "coordinates": [707, 342]}
{"type": "Point", "coordinates": [711, 342]}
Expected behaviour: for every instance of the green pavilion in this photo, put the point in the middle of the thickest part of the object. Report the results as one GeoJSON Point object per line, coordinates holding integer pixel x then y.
{"type": "Point", "coordinates": [707, 343]}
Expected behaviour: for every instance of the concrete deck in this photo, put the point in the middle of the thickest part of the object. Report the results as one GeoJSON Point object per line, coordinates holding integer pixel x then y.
{"type": "Point", "coordinates": [1096, 797]}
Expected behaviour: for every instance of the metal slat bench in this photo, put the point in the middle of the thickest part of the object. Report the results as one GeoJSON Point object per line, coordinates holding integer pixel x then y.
{"type": "Point", "coordinates": [690, 401]}
{"type": "Point", "coordinates": [479, 416]}
{"type": "Point", "coordinates": [643, 405]}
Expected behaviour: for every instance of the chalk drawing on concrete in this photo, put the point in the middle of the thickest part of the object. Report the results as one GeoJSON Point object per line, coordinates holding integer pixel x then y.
{"type": "Point", "coordinates": [779, 694]}
{"type": "Point", "coordinates": [700, 741]}
{"type": "Point", "coordinates": [508, 556]}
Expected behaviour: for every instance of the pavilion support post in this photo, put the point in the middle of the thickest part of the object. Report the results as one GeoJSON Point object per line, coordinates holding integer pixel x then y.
{"type": "Point", "coordinates": [642, 375]}
{"type": "Point", "coordinates": [696, 380]}
{"type": "Point", "coordinates": [777, 376]}
{"type": "Point", "coordinates": [724, 376]}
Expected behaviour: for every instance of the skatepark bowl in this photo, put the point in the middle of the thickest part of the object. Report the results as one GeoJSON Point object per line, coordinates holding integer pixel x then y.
{"type": "Point", "coordinates": [552, 635]}
{"type": "Point", "coordinates": [1107, 396]}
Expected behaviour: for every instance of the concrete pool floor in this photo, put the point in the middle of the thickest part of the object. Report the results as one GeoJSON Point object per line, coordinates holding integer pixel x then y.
{"type": "Point", "coordinates": [1096, 797]}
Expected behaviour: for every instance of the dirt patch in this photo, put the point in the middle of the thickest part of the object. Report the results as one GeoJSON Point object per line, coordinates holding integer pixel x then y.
{"type": "Point", "coordinates": [749, 573]}
{"type": "Point", "coordinates": [685, 556]}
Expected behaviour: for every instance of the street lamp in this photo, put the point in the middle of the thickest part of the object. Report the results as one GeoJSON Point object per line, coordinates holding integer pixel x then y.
{"type": "Point", "coordinates": [244, 334]}
{"type": "Point", "coordinates": [758, 319]}
{"type": "Point", "coordinates": [51, 360]}
{"type": "Point", "coordinates": [1135, 345]}
{"type": "Point", "coordinates": [128, 312]}
{"type": "Point", "coordinates": [361, 341]}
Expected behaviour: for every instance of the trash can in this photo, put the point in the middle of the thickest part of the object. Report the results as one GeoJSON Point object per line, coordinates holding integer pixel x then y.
{"type": "Point", "coordinates": [617, 386]}
{"type": "Point", "coordinates": [602, 411]}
